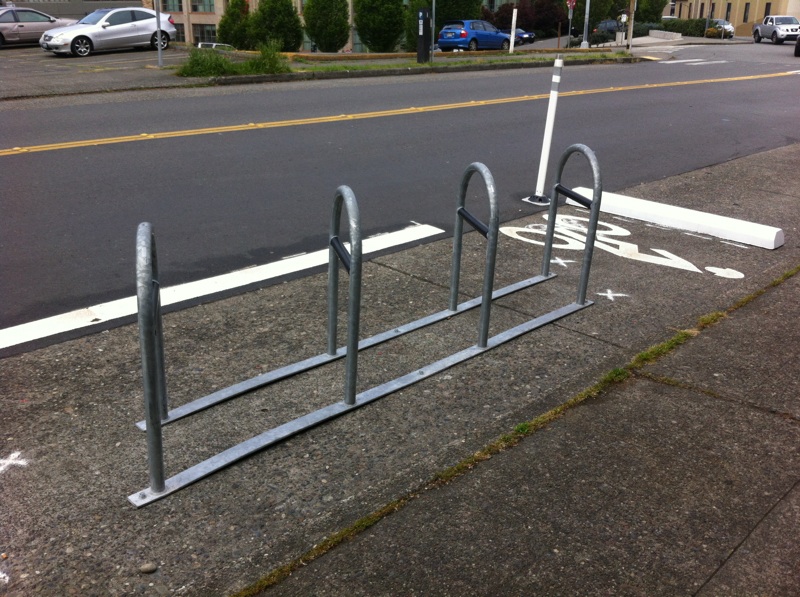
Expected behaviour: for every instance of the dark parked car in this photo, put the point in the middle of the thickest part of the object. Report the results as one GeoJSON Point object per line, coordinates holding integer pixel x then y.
{"type": "Point", "coordinates": [25, 25]}
{"type": "Point", "coordinates": [472, 35]}
{"type": "Point", "coordinates": [521, 36]}
{"type": "Point", "coordinates": [609, 26]}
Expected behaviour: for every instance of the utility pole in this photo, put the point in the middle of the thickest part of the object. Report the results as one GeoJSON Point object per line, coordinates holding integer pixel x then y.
{"type": "Point", "coordinates": [631, 11]}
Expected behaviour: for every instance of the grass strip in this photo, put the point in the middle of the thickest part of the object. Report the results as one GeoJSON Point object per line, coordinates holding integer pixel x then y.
{"type": "Point", "coordinates": [509, 440]}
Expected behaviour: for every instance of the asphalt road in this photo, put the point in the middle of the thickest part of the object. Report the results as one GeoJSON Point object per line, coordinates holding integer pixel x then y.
{"type": "Point", "coordinates": [668, 480]}
{"type": "Point", "coordinates": [221, 201]}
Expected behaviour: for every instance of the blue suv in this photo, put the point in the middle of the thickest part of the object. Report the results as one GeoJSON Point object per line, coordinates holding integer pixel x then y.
{"type": "Point", "coordinates": [472, 36]}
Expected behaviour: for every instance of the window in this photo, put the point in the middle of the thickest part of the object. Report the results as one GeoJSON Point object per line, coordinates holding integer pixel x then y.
{"type": "Point", "coordinates": [180, 32]}
{"type": "Point", "coordinates": [30, 16]}
{"type": "Point", "coordinates": [713, 9]}
{"type": "Point", "coordinates": [202, 5]}
{"type": "Point", "coordinates": [172, 6]}
{"type": "Point", "coordinates": [204, 33]}
{"type": "Point", "coordinates": [702, 11]}
{"type": "Point", "coordinates": [140, 15]}
{"type": "Point", "coordinates": [768, 9]}
{"type": "Point", "coordinates": [746, 12]}
{"type": "Point", "coordinates": [120, 18]}
{"type": "Point", "coordinates": [7, 17]}
{"type": "Point", "coordinates": [728, 11]}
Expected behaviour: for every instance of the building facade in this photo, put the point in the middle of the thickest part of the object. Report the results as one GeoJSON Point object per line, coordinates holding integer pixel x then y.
{"type": "Point", "coordinates": [742, 14]}
{"type": "Point", "coordinates": [70, 9]}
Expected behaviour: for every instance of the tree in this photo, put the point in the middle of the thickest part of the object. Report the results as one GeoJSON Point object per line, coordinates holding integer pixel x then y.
{"type": "Point", "coordinates": [650, 11]}
{"type": "Point", "coordinates": [376, 22]}
{"type": "Point", "coordinates": [598, 10]}
{"type": "Point", "coordinates": [411, 20]}
{"type": "Point", "coordinates": [448, 10]}
{"type": "Point", "coordinates": [276, 20]}
{"type": "Point", "coordinates": [232, 28]}
{"type": "Point", "coordinates": [327, 23]}
{"type": "Point", "coordinates": [545, 15]}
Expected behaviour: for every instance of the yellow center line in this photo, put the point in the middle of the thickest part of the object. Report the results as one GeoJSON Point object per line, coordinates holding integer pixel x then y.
{"type": "Point", "coordinates": [363, 115]}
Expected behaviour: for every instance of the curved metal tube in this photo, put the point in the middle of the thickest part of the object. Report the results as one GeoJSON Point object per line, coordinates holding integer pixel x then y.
{"type": "Point", "coordinates": [593, 205]}
{"type": "Point", "coordinates": [490, 232]}
{"type": "Point", "coordinates": [352, 263]}
{"type": "Point", "coordinates": [151, 346]}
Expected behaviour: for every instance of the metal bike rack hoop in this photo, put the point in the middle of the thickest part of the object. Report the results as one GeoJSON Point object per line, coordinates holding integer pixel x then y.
{"type": "Point", "coordinates": [489, 232]}
{"type": "Point", "coordinates": [593, 205]}
{"type": "Point", "coordinates": [151, 344]}
{"type": "Point", "coordinates": [352, 263]}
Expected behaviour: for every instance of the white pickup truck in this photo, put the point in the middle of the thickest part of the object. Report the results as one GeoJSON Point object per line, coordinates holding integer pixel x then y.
{"type": "Point", "coordinates": [778, 28]}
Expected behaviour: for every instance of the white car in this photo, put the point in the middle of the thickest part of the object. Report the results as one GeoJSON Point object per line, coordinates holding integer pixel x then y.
{"type": "Point", "coordinates": [108, 29]}
{"type": "Point", "coordinates": [778, 28]}
{"type": "Point", "coordinates": [726, 25]}
{"type": "Point", "coordinates": [212, 45]}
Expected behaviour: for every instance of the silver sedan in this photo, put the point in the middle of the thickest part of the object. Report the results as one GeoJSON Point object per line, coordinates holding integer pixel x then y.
{"type": "Point", "coordinates": [108, 29]}
{"type": "Point", "coordinates": [25, 25]}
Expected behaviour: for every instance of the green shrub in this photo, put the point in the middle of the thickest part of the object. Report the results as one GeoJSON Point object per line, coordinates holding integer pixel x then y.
{"type": "Point", "coordinates": [411, 24]}
{"type": "Point", "coordinates": [233, 25]}
{"type": "Point", "coordinates": [210, 63]}
{"type": "Point", "coordinates": [276, 20]}
{"type": "Point", "coordinates": [600, 37]}
{"type": "Point", "coordinates": [717, 33]}
{"type": "Point", "coordinates": [206, 63]}
{"type": "Point", "coordinates": [269, 61]}
{"type": "Point", "coordinates": [377, 23]}
{"type": "Point", "coordinates": [327, 23]}
{"type": "Point", "coordinates": [643, 29]}
{"type": "Point", "coordinates": [687, 27]}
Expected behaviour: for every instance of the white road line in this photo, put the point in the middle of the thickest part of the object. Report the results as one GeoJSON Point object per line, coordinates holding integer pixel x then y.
{"type": "Point", "coordinates": [80, 318]}
{"type": "Point", "coordinates": [708, 62]}
{"type": "Point", "coordinates": [681, 61]}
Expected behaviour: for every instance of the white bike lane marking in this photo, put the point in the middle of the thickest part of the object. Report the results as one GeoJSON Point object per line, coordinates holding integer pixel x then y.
{"type": "Point", "coordinates": [13, 460]}
{"type": "Point", "coordinates": [570, 234]}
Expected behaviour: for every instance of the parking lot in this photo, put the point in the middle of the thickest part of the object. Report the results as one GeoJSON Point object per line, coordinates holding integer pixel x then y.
{"type": "Point", "coordinates": [30, 71]}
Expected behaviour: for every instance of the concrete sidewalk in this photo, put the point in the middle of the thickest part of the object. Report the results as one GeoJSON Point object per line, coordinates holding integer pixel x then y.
{"type": "Point", "coordinates": [682, 479]}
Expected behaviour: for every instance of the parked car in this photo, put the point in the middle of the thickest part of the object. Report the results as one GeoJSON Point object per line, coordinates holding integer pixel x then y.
{"type": "Point", "coordinates": [108, 29]}
{"type": "Point", "coordinates": [726, 25]}
{"type": "Point", "coordinates": [778, 28]}
{"type": "Point", "coordinates": [610, 26]}
{"type": "Point", "coordinates": [25, 25]}
{"type": "Point", "coordinates": [209, 45]}
{"type": "Point", "coordinates": [472, 35]}
{"type": "Point", "coordinates": [520, 36]}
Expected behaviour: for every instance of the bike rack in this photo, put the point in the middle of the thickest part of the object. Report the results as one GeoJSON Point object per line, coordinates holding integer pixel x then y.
{"type": "Point", "coordinates": [151, 342]}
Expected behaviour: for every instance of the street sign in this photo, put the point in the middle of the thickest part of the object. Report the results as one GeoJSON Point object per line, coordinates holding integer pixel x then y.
{"type": "Point", "coordinates": [571, 4]}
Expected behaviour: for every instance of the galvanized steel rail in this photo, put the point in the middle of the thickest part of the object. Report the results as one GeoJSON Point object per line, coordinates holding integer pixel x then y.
{"type": "Point", "coordinates": [152, 343]}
